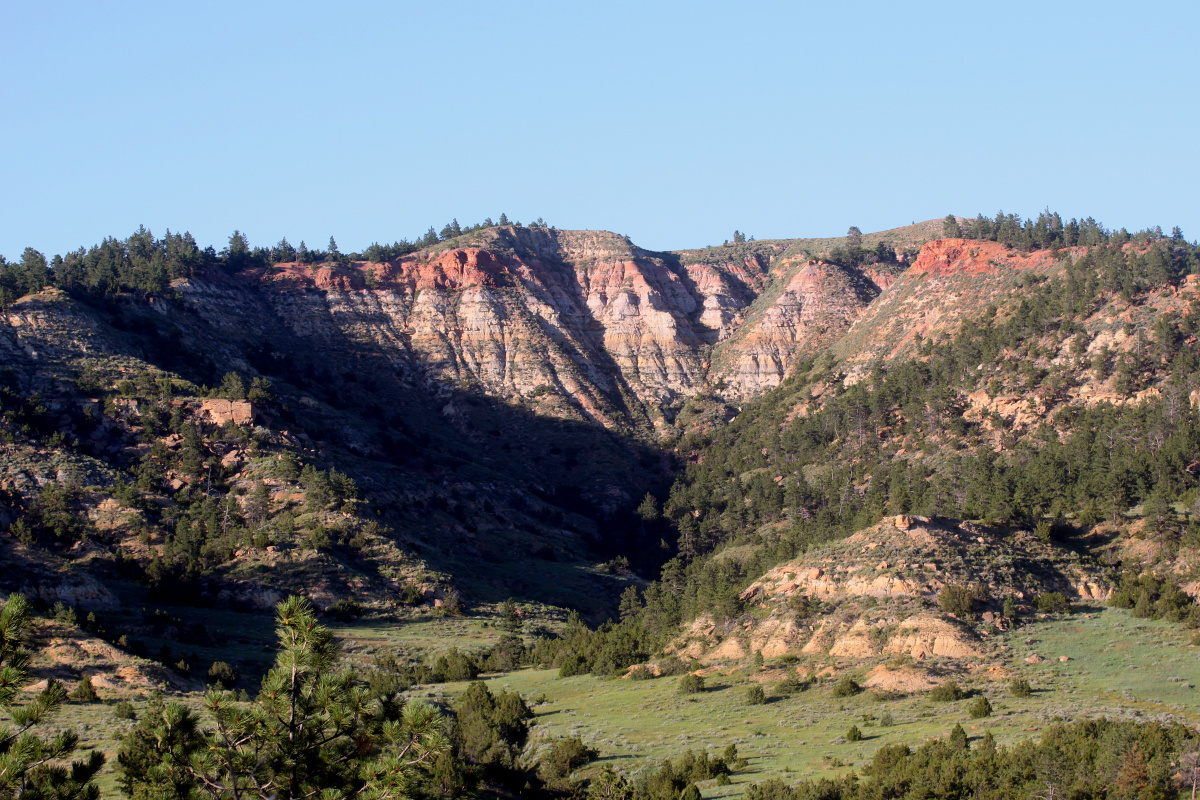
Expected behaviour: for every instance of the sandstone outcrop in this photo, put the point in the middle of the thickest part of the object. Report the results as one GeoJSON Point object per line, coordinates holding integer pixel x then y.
{"type": "Point", "coordinates": [950, 280]}
{"type": "Point", "coordinates": [240, 412]}
{"type": "Point", "coordinates": [577, 324]}
{"type": "Point", "coordinates": [805, 312]}
{"type": "Point", "coordinates": [876, 593]}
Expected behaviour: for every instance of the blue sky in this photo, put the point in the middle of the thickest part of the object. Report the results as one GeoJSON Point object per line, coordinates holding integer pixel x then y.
{"type": "Point", "coordinates": [671, 122]}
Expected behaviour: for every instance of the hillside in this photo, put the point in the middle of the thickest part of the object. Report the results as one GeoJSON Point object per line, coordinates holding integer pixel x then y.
{"type": "Point", "coordinates": [958, 363]}
{"type": "Point", "coordinates": [106, 442]}
{"type": "Point", "coordinates": [932, 590]}
{"type": "Point", "coordinates": [885, 457]}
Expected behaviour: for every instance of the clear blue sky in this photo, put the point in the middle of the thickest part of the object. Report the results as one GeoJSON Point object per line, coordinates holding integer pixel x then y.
{"type": "Point", "coordinates": [672, 122]}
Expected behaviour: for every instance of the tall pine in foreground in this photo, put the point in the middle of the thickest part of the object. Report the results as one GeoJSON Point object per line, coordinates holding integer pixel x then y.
{"type": "Point", "coordinates": [32, 766]}
{"type": "Point", "coordinates": [312, 732]}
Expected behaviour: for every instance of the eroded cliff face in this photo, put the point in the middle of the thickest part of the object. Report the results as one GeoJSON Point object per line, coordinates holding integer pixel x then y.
{"type": "Point", "coordinates": [809, 307]}
{"type": "Point", "coordinates": [579, 325]}
{"type": "Point", "coordinates": [575, 324]}
{"type": "Point", "coordinates": [950, 280]}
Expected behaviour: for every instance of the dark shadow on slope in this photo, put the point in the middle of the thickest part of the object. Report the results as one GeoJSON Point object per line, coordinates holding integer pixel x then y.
{"type": "Point", "coordinates": [508, 502]}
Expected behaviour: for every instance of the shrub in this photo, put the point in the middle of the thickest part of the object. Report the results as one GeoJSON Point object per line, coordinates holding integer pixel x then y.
{"type": "Point", "coordinates": [344, 610]}
{"type": "Point", "coordinates": [947, 692]}
{"type": "Point", "coordinates": [773, 789]}
{"type": "Point", "coordinates": [980, 708]}
{"type": "Point", "coordinates": [452, 605]}
{"type": "Point", "coordinates": [886, 720]}
{"type": "Point", "coordinates": [563, 757]}
{"type": "Point", "coordinates": [804, 606]}
{"type": "Point", "coordinates": [958, 738]}
{"type": "Point", "coordinates": [854, 734]}
{"type": "Point", "coordinates": [124, 710]}
{"type": "Point", "coordinates": [411, 595]}
{"type": "Point", "coordinates": [617, 566]}
{"type": "Point", "coordinates": [84, 692]}
{"type": "Point", "coordinates": [453, 665]}
{"type": "Point", "coordinates": [491, 730]}
{"type": "Point", "coordinates": [846, 687]}
{"type": "Point", "coordinates": [958, 599]}
{"type": "Point", "coordinates": [1052, 603]}
{"type": "Point", "coordinates": [222, 673]}
{"type": "Point", "coordinates": [691, 684]}
{"type": "Point", "coordinates": [608, 783]}
{"type": "Point", "coordinates": [755, 696]}
{"type": "Point", "coordinates": [791, 685]}
{"type": "Point", "coordinates": [1151, 598]}
{"type": "Point", "coordinates": [672, 665]}
{"type": "Point", "coordinates": [1010, 607]}
{"type": "Point", "coordinates": [1020, 688]}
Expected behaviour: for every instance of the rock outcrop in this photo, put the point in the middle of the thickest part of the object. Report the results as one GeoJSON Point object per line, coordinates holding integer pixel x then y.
{"type": "Point", "coordinates": [806, 310]}
{"type": "Point", "coordinates": [219, 411]}
{"type": "Point", "coordinates": [951, 280]}
{"type": "Point", "coordinates": [527, 315]}
{"type": "Point", "coordinates": [876, 594]}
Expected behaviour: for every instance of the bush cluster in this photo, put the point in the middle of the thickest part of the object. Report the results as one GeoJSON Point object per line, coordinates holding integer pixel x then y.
{"type": "Point", "coordinates": [947, 692]}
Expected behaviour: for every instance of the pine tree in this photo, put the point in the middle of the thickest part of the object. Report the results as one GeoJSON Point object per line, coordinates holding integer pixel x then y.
{"type": "Point", "coordinates": [609, 785]}
{"type": "Point", "coordinates": [29, 764]}
{"type": "Point", "coordinates": [958, 738]}
{"type": "Point", "coordinates": [34, 271]}
{"type": "Point", "coordinates": [156, 756]}
{"type": "Point", "coordinates": [631, 603]}
{"type": "Point", "coordinates": [950, 228]}
{"type": "Point", "coordinates": [238, 254]}
{"type": "Point", "coordinates": [510, 651]}
{"type": "Point", "coordinates": [313, 731]}
{"type": "Point", "coordinates": [648, 508]}
{"type": "Point", "coordinates": [284, 251]}
{"type": "Point", "coordinates": [232, 387]}
{"type": "Point", "coordinates": [647, 511]}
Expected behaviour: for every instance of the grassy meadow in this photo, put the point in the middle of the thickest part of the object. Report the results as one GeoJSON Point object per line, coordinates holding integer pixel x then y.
{"type": "Point", "coordinates": [1118, 666]}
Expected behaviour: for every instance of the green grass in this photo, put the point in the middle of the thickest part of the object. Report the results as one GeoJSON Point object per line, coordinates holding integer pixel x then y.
{"type": "Point", "coordinates": [417, 639]}
{"type": "Point", "coordinates": [635, 723]}
{"type": "Point", "coordinates": [99, 729]}
{"type": "Point", "coordinates": [1120, 666]}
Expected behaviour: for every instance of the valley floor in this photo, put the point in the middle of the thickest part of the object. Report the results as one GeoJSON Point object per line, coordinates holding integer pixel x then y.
{"type": "Point", "coordinates": [1119, 666]}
